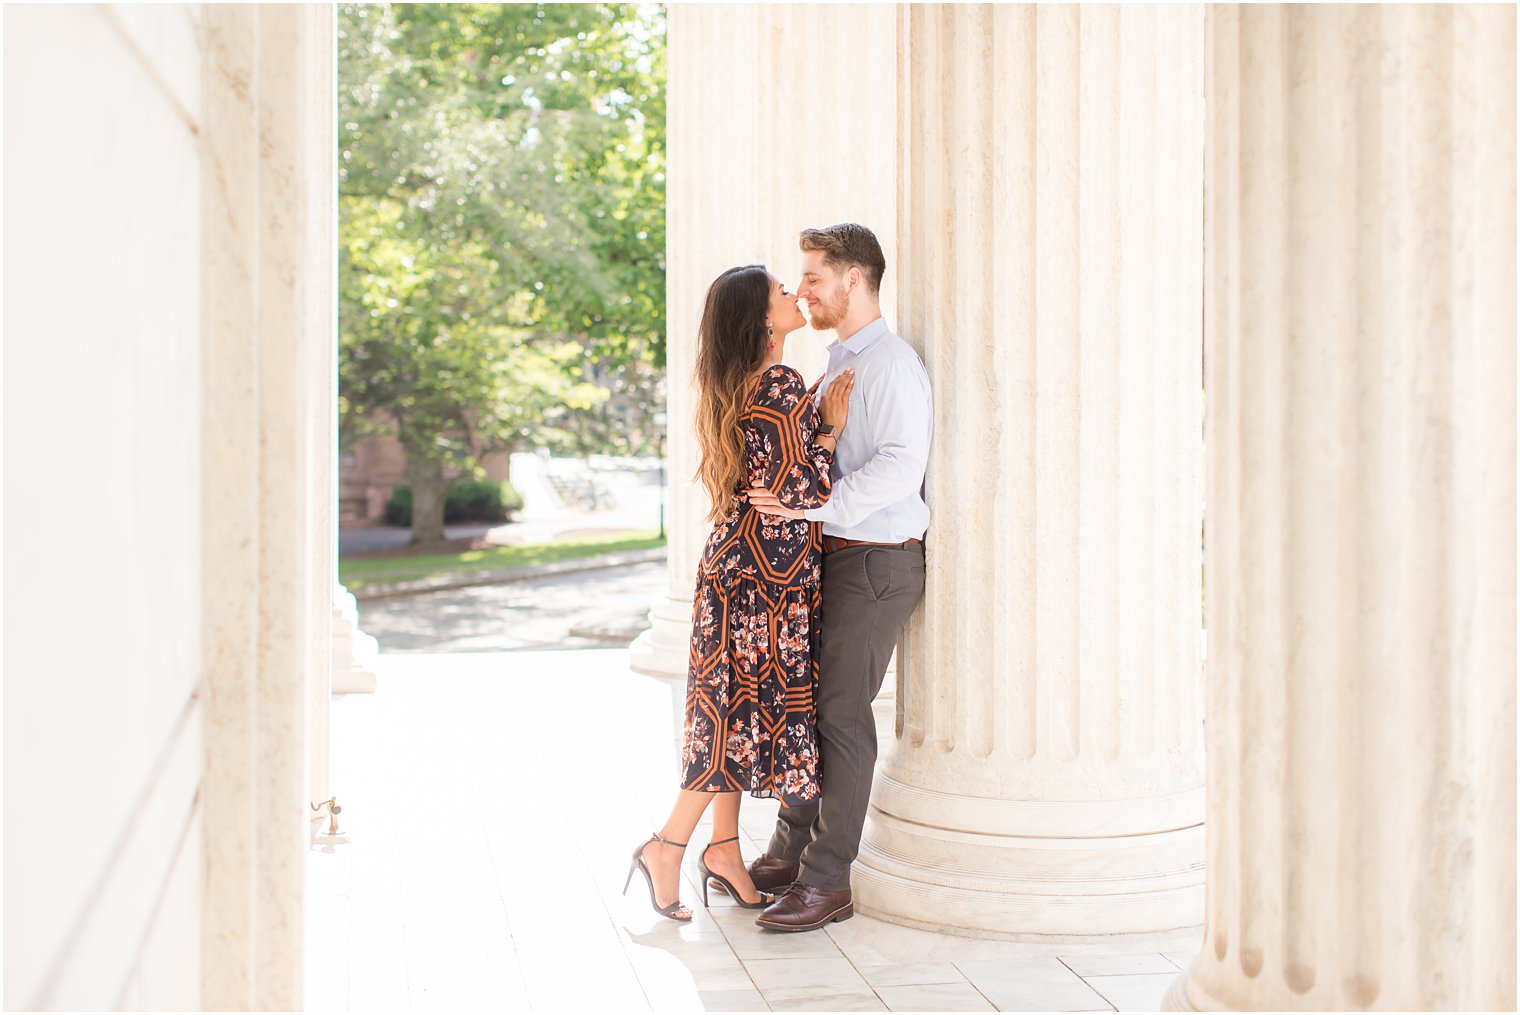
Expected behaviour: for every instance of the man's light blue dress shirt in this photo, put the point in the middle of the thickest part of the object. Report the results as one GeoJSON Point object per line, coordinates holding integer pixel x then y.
{"type": "Point", "coordinates": [879, 461]}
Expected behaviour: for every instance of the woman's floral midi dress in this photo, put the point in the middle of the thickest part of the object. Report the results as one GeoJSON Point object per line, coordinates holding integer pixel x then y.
{"type": "Point", "coordinates": [750, 718]}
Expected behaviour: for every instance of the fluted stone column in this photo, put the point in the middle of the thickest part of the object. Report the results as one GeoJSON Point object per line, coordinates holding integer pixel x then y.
{"type": "Point", "coordinates": [816, 169]}
{"type": "Point", "coordinates": [710, 202]}
{"type": "Point", "coordinates": [318, 138]}
{"type": "Point", "coordinates": [1046, 777]}
{"type": "Point", "coordinates": [230, 544]}
{"type": "Point", "coordinates": [353, 652]}
{"type": "Point", "coordinates": [269, 237]}
{"type": "Point", "coordinates": [746, 174]}
{"type": "Point", "coordinates": [1361, 535]}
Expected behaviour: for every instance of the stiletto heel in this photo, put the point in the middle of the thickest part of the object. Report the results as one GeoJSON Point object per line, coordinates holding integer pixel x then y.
{"type": "Point", "coordinates": [671, 911]}
{"type": "Point", "coordinates": [723, 882]}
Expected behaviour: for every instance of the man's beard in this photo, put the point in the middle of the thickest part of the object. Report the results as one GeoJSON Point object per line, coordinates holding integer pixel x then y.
{"type": "Point", "coordinates": [828, 315]}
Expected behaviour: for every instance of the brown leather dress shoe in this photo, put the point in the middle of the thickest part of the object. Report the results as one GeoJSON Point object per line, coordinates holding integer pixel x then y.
{"type": "Point", "coordinates": [772, 875]}
{"type": "Point", "coordinates": [804, 907]}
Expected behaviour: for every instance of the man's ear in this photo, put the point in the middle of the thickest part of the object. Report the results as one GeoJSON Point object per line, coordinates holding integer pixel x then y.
{"type": "Point", "coordinates": [855, 276]}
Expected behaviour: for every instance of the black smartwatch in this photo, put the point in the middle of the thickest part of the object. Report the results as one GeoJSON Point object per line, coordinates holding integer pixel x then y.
{"type": "Point", "coordinates": [824, 430]}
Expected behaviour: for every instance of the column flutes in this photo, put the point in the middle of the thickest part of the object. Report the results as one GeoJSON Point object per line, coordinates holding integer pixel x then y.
{"type": "Point", "coordinates": [1361, 520]}
{"type": "Point", "coordinates": [749, 168]}
{"type": "Point", "coordinates": [1047, 775]}
{"type": "Point", "coordinates": [710, 212]}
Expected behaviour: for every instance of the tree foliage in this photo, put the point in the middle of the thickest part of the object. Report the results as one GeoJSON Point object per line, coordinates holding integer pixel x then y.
{"type": "Point", "coordinates": [501, 202]}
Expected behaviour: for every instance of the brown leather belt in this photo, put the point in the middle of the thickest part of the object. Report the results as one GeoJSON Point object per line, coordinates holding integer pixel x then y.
{"type": "Point", "coordinates": [833, 543]}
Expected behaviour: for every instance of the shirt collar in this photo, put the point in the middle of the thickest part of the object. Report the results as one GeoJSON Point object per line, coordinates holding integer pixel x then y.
{"type": "Point", "coordinates": [862, 339]}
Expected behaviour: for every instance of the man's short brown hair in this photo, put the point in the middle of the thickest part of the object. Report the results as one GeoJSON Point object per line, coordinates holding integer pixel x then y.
{"type": "Point", "coordinates": [849, 245]}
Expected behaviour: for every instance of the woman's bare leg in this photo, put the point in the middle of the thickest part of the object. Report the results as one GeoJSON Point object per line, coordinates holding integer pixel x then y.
{"type": "Point", "coordinates": [725, 823]}
{"type": "Point", "coordinates": [726, 859]}
{"type": "Point", "coordinates": [664, 862]}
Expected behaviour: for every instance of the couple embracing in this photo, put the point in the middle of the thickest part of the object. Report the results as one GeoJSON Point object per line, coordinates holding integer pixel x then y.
{"type": "Point", "coordinates": [815, 560]}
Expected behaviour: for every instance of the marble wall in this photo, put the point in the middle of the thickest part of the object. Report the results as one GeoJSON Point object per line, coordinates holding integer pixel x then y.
{"type": "Point", "coordinates": [169, 309]}
{"type": "Point", "coordinates": [104, 701]}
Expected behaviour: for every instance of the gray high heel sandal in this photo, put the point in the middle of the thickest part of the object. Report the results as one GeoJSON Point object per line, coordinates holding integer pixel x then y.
{"type": "Point", "coordinates": [723, 884]}
{"type": "Point", "coordinates": [670, 911]}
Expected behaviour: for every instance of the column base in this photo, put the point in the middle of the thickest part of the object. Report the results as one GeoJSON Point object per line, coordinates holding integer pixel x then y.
{"type": "Point", "coordinates": [353, 651]}
{"type": "Point", "coordinates": [665, 649]}
{"type": "Point", "coordinates": [664, 652]}
{"type": "Point", "coordinates": [1012, 870]}
{"type": "Point", "coordinates": [1176, 998]}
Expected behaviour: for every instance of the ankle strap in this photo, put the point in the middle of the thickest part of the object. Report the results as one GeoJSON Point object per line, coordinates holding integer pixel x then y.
{"type": "Point", "coordinates": [720, 842]}
{"type": "Point", "coordinates": [660, 838]}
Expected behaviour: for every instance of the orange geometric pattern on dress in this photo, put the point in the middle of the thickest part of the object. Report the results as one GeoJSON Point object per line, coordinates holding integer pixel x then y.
{"type": "Point", "coordinates": [751, 721]}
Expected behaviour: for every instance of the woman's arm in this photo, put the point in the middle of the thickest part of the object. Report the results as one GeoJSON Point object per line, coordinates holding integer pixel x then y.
{"type": "Point", "coordinates": [797, 469]}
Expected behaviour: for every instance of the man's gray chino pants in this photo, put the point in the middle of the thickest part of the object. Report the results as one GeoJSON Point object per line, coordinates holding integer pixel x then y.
{"type": "Point", "coordinates": [868, 594]}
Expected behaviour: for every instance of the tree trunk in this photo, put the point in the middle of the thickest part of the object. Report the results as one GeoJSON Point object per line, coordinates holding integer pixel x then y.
{"type": "Point", "coordinates": [426, 478]}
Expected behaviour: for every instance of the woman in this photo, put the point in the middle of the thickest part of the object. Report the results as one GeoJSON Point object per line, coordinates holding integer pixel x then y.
{"type": "Point", "coordinates": [750, 722]}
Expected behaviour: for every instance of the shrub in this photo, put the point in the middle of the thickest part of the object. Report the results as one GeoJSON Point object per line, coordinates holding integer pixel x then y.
{"type": "Point", "coordinates": [481, 500]}
{"type": "Point", "coordinates": [398, 507]}
{"type": "Point", "coordinates": [468, 500]}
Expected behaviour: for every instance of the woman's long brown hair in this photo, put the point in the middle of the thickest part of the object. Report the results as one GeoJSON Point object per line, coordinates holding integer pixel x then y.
{"type": "Point", "coordinates": [731, 347]}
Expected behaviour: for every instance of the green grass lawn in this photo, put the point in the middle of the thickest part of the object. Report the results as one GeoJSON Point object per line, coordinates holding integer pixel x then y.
{"type": "Point", "coordinates": [358, 572]}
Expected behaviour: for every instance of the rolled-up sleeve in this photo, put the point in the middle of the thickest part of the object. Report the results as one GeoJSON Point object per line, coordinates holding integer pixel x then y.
{"type": "Point", "coordinates": [900, 406]}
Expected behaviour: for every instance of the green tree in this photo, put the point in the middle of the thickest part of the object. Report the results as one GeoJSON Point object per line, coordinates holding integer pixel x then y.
{"type": "Point", "coordinates": [501, 195]}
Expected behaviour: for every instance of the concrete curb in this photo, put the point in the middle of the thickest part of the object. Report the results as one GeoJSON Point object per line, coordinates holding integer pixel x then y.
{"type": "Point", "coordinates": [470, 579]}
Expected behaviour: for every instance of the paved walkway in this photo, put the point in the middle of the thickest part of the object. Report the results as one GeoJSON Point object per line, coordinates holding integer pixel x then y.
{"type": "Point", "coordinates": [490, 803]}
{"type": "Point", "coordinates": [589, 609]}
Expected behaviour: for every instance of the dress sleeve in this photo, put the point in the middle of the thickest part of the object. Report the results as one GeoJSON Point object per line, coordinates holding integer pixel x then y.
{"type": "Point", "coordinates": [796, 470]}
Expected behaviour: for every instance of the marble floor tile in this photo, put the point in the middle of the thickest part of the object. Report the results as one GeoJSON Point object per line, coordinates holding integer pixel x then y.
{"type": "Point", "coordinates": [754, 840]}
{"type": "Point", "coordinates": [805, 977]}
{"type": "Point", "coordinates": [758, 817]}
{"type": "Point", "coordinates": [1032, 985]}
{"type": "Point", "coordinates": [1119, 964]}
{"type": "Point", "coordinates": [467, 881]}
{"type": "Point", "coordinates": [1129, 944]}
{"type": "Point", "coordinates": [866, 1001]}
{"type": "Point", "coordinates": [732, 1000]}
{"type": "Point", "coordinates": [327, 914]}
{"type": "Point", "coordinates": [1182, 960]}
{"type": "Point", "coordinates": [750, 942]}
{"type": "Point", "coordinates": [934, 997]}
{"type": "Point", "coordinates": [559, 976]}
{"type": "Point", "coordinates": [672, 986]}
{"type": "Point", "coordinates": [870, 942]}
{"type": "Point", "coordinates": [647, 928]}
{"type": "Point", "coordinates": [899, 974]}
{"type": "Point", "coordinates": [377, 970]}
{"type": "Point", "coordinates": [1133, 993]}
{"type": "Point", "coordinates": [696, 965]}
{"type": "Point", "coordinates": [729, 915]}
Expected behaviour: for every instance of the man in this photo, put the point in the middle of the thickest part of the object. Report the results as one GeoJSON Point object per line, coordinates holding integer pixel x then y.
{"type": "Point", "coordinates": [873, 569]}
